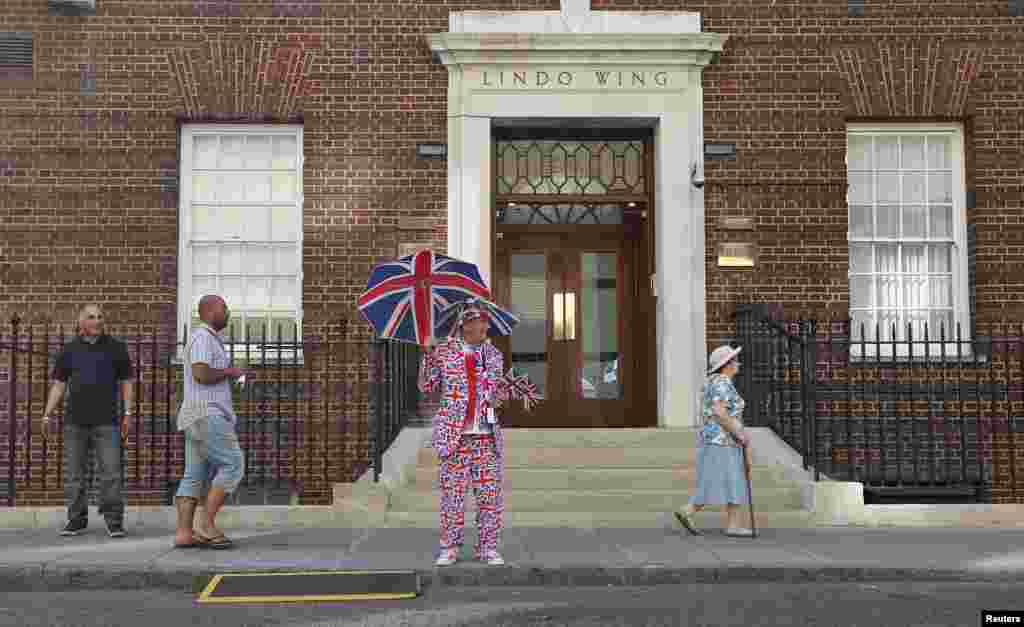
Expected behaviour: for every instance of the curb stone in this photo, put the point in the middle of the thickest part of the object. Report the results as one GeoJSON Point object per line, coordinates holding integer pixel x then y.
{"type": "Point", "coordinates": [45, 578]}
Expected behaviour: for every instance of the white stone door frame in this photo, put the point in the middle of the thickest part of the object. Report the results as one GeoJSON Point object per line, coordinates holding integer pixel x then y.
{"type": "Point", "coordinates": [497, 73]}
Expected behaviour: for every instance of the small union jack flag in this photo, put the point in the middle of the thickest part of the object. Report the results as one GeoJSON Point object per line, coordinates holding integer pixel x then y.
{"type": "Point", "coordinates": [404, 297]}
{"type": "Point", "coordinates": [516, 385]}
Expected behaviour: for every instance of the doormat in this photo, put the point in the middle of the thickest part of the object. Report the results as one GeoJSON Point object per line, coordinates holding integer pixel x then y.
{"type": "Point", "coordinates": [312, 586]}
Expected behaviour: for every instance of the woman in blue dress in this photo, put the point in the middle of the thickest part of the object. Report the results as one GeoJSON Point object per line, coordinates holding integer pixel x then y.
{"type": "Point", "coordinates": [721, 476]}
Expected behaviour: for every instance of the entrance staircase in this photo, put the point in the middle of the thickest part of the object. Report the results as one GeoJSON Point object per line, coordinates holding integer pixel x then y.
{"type": "Point", "coordinates": [628, 478]}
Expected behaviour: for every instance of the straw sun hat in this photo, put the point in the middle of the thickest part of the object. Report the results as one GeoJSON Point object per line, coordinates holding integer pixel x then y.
{"type": "Point", "coordinates": [721, 356]}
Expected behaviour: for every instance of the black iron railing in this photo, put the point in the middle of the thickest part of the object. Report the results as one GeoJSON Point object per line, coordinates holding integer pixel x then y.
{"type": "Point", "coordinates": [776, 378]}
{"type": "Point", "coordinates": [395, 399]}
{"type": "Point", "coordinates": [303, 414]}
{"type": "Point", "coordinates": [917, 416]}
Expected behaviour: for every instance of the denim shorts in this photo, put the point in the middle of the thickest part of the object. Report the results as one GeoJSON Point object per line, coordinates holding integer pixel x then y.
{"type": "Point", "coordinates": [217, 458]}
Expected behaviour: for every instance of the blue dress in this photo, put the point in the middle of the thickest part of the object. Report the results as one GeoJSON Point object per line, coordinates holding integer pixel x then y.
{"type": "Point", "coordinates": [720, 474]}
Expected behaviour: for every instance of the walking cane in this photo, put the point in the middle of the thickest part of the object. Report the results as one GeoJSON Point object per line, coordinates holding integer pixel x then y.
{"type": "Point", "coordinates": [750, 492]}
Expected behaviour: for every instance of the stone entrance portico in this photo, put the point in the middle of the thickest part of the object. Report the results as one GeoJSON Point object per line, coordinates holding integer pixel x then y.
{"type": "Point", "coordinates": [578, 63]}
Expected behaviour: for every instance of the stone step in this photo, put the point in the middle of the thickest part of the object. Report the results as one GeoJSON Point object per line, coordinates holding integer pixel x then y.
{"type": "Point", "coordinates": [709, 521]}
{"type": "Point", "coordinates": [769, 499]}
{"type": "Point", "coordinates": [600, 438]}
{"type": "Point", "coordinates": [672, 478]}
{"type": "Point", "coordinates": [597, 457]}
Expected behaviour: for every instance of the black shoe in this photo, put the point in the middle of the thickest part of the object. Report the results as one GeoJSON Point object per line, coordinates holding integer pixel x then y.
{"type": "Point", "coordinates": [115, 529]}
{"type": "Point", "coordinates": [74, 527]}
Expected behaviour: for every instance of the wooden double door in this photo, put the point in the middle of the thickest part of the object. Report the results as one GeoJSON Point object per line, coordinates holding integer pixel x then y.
{"type": "Point", "coordinates": [586, 324]}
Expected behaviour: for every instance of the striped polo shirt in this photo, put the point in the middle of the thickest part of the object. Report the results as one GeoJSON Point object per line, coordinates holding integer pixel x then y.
{"type": "Point", "coordinates": [208, 348]}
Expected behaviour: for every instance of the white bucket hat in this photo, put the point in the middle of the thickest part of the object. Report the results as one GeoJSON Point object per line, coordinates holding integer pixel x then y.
{"type": "Point", "coordinates": [721, 356]}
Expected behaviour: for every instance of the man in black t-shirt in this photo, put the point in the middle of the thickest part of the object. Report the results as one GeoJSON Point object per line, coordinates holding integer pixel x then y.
{"type": "Point", "coordinates": [95, 366]}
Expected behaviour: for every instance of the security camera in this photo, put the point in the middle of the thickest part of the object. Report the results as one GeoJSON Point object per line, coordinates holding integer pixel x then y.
{"type": "Point", "coordinates": [697, 179]}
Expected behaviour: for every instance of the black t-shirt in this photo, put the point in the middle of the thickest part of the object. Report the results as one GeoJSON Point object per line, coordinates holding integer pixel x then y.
{"type": "Point", "coordinates": [94, 372]}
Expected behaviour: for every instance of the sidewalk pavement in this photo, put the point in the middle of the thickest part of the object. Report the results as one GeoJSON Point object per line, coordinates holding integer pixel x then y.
{"type": "Point", "coordinates": [42, 560]}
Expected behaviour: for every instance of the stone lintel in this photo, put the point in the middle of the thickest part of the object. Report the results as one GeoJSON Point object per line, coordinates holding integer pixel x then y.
{"type": "Point", "coordinates": [698, 49]}
{"type": "Point", "coordinates": [587, 22]}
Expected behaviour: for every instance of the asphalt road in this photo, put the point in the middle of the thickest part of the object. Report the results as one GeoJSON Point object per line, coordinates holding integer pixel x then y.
{"type": "Point", "coordinates": [847, 605]}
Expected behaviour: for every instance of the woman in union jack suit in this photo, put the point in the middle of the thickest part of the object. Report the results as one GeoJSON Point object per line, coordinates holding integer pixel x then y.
{"type": "Point", "coordinates": [467, 369]}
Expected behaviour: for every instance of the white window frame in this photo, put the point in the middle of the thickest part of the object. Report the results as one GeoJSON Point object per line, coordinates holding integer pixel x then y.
{"type": "Point", "coordinates": [254, 353]}
{"type": "Point", "coordinates": [870, 350]}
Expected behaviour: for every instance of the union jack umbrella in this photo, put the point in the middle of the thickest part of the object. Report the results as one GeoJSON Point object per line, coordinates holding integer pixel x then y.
{"type": "Point", "coordinates": [518, 386]}
{"type": "Point", "coordinates": [403, 298]}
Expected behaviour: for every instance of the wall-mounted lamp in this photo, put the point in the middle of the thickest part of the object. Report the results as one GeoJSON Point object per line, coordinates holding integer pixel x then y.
{"type": "Point", "coordinates": [696, 177]}
{"type": "Point", "coordinates": [431, 151]}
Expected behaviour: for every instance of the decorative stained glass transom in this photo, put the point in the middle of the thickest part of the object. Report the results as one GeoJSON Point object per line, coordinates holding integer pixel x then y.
{"type": "Point", "coordinates": [562, 213]}
{"type": "Point", "coordinates": [569, 167]}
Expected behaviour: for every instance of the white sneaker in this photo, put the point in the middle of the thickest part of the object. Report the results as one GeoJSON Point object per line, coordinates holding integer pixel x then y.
{"type": "Point", "coordinates": [494, 559]}
{"type": "Point", "coordinates": [447, 557]}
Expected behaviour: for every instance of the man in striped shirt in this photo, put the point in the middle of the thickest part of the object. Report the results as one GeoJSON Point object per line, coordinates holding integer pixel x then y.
{"type": "Point", "coordinates": [211, 443]}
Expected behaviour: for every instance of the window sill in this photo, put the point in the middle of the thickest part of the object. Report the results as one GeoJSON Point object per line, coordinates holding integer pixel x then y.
{"type": "Point", "coordinates": [876, 361]}
{"type": "Point", "coordinates": [872, 354]}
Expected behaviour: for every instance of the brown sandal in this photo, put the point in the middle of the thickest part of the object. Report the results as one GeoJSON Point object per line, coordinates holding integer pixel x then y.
{"type": "Point", "coordinates": [220, 542]}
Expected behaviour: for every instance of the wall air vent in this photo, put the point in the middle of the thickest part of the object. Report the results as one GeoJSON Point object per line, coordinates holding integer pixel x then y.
{"type": "Point", "coordinates": [72, 7]}
{"type": "Point", "coordinates": [15, 55]}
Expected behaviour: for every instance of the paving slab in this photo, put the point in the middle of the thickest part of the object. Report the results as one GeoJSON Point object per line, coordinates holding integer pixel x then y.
{"type": "Point", "coordinates": [19, 574]}
{"type": "Point", "coordinates": [85, 551]}
{"type": "Point", "coordinates": [391, 548]}
{"type": "Point", "coordinates": [299, 539]}
{"type": "Point", "coordinates": [769, 548]}
{"type": "Point", "coordinates": [569, 547]}
{"type": "Point", "coordinates": [25, 538]}
{"type": "Point", "coordinates": [82, 548]}
{"type": "Point", "coordinates": [657, 547]}
{"type": "Point", "coordinates": [237, 560]}
{"type": "Point", "coordinates": [747, 551]}
{"type": "Point", "coordinates": [911, 548]}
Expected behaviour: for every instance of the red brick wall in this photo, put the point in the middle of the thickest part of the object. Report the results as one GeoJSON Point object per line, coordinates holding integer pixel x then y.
{"type": "Point", "coordinates": [88, 211]}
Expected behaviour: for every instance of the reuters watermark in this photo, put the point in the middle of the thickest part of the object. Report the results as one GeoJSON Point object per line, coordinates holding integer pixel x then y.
{"type": "Point", "coordinates": [1002, 617]}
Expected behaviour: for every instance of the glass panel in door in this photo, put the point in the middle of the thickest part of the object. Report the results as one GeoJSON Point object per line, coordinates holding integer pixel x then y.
{"type": "Point", "coordinates": [600, 376]}
{"type": "Point", "coordinates": [528, 289]}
